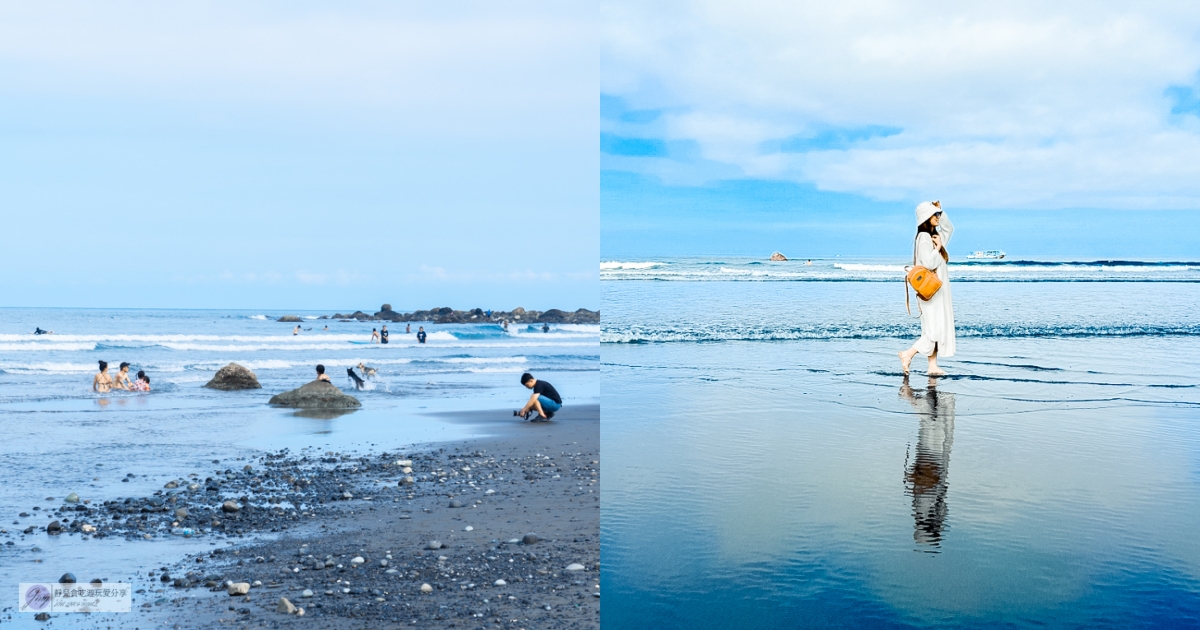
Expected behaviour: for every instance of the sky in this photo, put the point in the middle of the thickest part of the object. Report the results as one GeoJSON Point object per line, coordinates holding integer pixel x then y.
{"type": "Point", "coordinates": [304, 155]}
{"type": "Point", "coordinates": [1046, 129]}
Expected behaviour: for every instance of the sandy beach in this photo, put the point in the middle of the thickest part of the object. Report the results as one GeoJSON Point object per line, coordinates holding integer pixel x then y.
{"type": "Point", "coordinates": [520, 506]}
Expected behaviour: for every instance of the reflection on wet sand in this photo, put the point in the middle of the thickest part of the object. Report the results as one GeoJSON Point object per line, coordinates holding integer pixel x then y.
{"type": "Point", "coordinates": [926, 475]}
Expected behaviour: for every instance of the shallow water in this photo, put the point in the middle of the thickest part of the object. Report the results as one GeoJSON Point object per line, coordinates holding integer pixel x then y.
{"type": "Point", "coordinates": [61, 438]}
{"type": "Point", "coordinates": [760, 479]}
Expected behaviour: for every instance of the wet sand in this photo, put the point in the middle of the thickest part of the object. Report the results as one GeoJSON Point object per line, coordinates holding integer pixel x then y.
{"type": "Point", "coordinates": [523, 478]}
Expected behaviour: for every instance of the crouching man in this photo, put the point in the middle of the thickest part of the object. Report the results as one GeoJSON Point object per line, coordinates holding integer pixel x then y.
{"type": "Point", "coordinates": [544, 400]}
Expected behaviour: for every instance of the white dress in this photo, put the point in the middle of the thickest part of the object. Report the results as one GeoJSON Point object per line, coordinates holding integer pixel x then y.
{"type": "Point", "coordinates": [937, 315]}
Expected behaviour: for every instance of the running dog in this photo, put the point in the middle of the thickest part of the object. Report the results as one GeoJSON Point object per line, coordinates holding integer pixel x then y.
{"type": "Point", "coordinates": [358, 382]}
{"type": "Point", "coordinates": [368, 372]}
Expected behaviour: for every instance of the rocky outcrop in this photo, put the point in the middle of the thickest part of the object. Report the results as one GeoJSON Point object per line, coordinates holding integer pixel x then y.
{"type": "Point", "coordinates": [233, 376]}
{"type": "Point", "coordinates": [316, 395]}
{"type": "Point", "coordinates": [292, 319]}
{"type": "Point", "coordinates": [778, 257]}
{"type": "Point", "coordinates": [447, 315]}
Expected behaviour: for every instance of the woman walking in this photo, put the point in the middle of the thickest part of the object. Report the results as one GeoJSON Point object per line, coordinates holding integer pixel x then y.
{"type": "Point", "coordinates": [937, 313]}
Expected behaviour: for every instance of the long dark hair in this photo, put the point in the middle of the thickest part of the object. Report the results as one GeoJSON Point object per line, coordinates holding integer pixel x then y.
{"type": "Point", "coordinates": [929, 229]}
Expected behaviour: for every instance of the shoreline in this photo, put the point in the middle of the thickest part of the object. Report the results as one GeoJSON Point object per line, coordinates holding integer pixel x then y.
{"type": "Point", "coordinates": [521, 478]}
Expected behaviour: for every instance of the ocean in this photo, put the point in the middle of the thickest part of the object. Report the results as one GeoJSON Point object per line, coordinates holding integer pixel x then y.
{"type": "Point", "coordinates": [60, 437]}
{"type": "Point", "coordinates": [768, 464]}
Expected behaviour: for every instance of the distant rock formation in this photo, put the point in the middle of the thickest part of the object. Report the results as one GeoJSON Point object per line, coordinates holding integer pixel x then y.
{"type": "Point", "coordinates": [447, 315]}
{"type": "Point", "coordinates": [290, 318]}
{"type": "Point", "coordinates": [233, 376]}
{"type": "Point", "coordinates": [778, 256]}
{"type": "Point", "coordinates": [316, 395]}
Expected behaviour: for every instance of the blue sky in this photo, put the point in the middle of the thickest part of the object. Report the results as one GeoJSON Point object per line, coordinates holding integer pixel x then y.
{"type": "Point", "coordinates": [299, 155]}
{"type": "Point", "coordinates": [1069, 129]}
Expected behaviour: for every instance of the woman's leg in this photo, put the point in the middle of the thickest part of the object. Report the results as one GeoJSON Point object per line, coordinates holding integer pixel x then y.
{"type": "Point", "coordinates": [934, 370]}
{"type": "Point", "coordinates": [906, 357]}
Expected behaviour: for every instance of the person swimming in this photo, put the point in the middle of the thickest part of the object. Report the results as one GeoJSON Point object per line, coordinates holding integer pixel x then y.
{"type": "Point", "coordinates": [39, 331]}
{"type": "Point", "coordinates": [374, 336]}
{"type": "Point", "coordinates": [121, 380]}
{"type": "Point", "coordinates": [141, 384]}
{"type": "Point", "coordinates": [102, 382]}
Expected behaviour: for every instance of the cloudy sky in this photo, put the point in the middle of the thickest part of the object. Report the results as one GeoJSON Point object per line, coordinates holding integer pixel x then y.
{"type": "Point", "coordinates": [1087, 114]}
{"type": "Point", "coordinates": [299, 154]}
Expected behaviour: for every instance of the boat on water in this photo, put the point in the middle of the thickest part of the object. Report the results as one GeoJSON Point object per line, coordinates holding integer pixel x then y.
{"type": "Point", "coordinates": [991, 254]}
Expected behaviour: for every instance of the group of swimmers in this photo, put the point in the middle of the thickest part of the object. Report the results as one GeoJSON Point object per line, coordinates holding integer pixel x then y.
{"type": "Point", "coordinates": [104, 383]}
{"type": "Point", "coordinates": [381, 336]}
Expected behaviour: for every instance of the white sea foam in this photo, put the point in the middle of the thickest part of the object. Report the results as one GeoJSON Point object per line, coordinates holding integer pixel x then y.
{"type": "Point", "coordinates": [861, 267]}
{"type": "Point", "coordinates": [258, 317]}
{"type": "Point", "coordinates": [629, 265]}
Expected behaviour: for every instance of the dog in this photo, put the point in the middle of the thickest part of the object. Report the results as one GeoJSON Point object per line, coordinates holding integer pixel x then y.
{"type": "Point", "coordinates": [358, 382]}
{"type": "Point", "coordinates": [368, 372]}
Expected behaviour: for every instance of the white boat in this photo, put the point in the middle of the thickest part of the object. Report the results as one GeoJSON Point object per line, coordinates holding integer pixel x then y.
{"type": "Point", "coordinates": [991, 254]}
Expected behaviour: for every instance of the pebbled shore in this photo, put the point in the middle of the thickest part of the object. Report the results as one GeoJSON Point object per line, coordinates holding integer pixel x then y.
{"type": "Point", "coordinates": [323, 510]}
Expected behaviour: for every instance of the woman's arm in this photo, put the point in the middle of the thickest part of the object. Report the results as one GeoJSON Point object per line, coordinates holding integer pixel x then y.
{"type": "Point", "coordinates": [927, 254]}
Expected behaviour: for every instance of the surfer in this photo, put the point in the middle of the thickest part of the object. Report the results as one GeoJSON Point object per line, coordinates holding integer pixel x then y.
{"type": "Point", "coordinates": [39, 331]}
{"type": "Point", "coordinates": [421, 334]}
{"type": "Point", "coordinates": [383, 334]}
{"type": "Point", "coordinates": [102, 382]}
{"type": "Point", "coordinates": [321, 375]}
{"type": "Point", "coordinates": [545, 399]}
{"type": "Point", "coordinates": [374, 336]}
{"type": "Point", "coordinates": [545, 328]}
{"type": "Point", "coordinates": [504, 323]}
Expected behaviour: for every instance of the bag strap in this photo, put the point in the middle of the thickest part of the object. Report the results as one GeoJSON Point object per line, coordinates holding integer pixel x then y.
{"type": "Point", "coordinates": [906, 304]}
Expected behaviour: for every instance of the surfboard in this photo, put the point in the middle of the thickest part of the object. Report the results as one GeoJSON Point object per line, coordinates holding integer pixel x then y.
{"type": "Point", "coordinates": [360, 342]}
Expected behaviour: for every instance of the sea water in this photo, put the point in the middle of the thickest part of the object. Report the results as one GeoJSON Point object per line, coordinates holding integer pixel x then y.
{"type": "Point", "coordinates": [768, 464]}
{"type": "Point", "coordinates": [61, 437]}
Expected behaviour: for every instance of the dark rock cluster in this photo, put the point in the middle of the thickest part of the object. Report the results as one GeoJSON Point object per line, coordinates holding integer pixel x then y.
{"type": "Point", "coordinates": [447, 315]}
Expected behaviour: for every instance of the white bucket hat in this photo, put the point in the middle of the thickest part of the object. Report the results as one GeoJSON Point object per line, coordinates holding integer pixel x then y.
{"type": "Point", "coordinates": [926, 210]}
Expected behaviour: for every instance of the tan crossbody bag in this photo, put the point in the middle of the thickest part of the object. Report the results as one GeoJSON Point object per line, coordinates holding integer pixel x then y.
{"type": "Point", "coordinates": [924, 281]}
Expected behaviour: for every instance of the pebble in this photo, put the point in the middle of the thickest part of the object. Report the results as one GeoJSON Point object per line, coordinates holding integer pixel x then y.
{"type": "Point", "coordinates": [404, 462]}
{"type": "Point", "coordinates": [306, 593]}
{"type": "Point", "coordinates": [468, 528]}
{"type": "Point", "coordinates": [67, 578]}
{"type": "Point", "coordinates": [574, 566]}
{"type": "Point", "coordinates": [357, 560]}
{"type": "Point", "coordinates": [285, 606]}
{"type": "Point", "coordinates": [347, 495]}
{"type": "Point", "coordinates": [42, 616]}
{"type": "Point", "coordinates": [407, 481]}
{"type": "Point", "coordinates": [455, 503]}
{"type": "Point", "coordinates": [383, 563]}
{"type": "Point", "coordinates": [500, 583]}
{"type": "Point", "coordinates": [230, 506]}
{"type": "Point", "coordinates": [238, 588]}
{"type": "Point", "coordinates": [87, 529]}
{"type": "Point", "coordinates": [72, 498]}
{"type": "Point", "coordinates": [433, 544]}
{"type": "Point", "coordinates": [530, 539]}
{"type": "Point", "coordinates": [171, 484]}
{"type": "Point", "coordinates": [54, 527]}
{"type": "Point", "coordinates": [407, 470]}
{"type": "Point", "coordinates": [425, 588]}
{"type": "Point", "coordinates": [181, 513]}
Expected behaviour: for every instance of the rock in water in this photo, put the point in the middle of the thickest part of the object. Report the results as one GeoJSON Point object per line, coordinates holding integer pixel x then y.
{"type": "Point", "coordinates": [316, 395]}
{"type": "Point", "coordinates": [238, 588]}
{"type": "Point", "coordinates": [230, 506]}
{"type": "Point", "coordinates": [54, 527]}
{"type": "Point", "coordinates": [778, 256]}
{"type": "Point", "coordinates": [285, 606]}
{"type": "Point", "coordinates": [72, 498]}
{"type": "Point", "coordinates": [41, 616]}
{"type": "Point", "coordinates": [67, 578]}
{"type": "Point", "coordinates": [181, 514]}
{"type": "Point", "coordinates": [234, 376]}
{"type": "Point", "coordinates": [291, 319]}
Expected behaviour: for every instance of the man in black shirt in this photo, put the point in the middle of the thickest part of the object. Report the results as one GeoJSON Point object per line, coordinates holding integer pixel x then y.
{"type": "Point", "coordinates": [421, 334]}
{"type": "Point", "coordinates": [383, 334]}
{"type": "Point", "coordinates": [545, 399]}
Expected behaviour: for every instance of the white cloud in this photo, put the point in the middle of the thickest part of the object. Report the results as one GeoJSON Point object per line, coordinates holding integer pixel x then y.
{"type": "Point", "coordinates": [1024, 104]}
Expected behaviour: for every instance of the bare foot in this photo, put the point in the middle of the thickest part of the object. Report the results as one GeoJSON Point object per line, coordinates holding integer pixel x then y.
{"type": "Point", "coordinates": [937, 372]}
{"type": "Point", "coordinates": [904, 361]}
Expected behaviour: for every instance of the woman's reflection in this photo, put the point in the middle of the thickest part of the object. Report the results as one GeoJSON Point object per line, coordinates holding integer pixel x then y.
{"type": "Point", "coordinates": [926, 476]}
